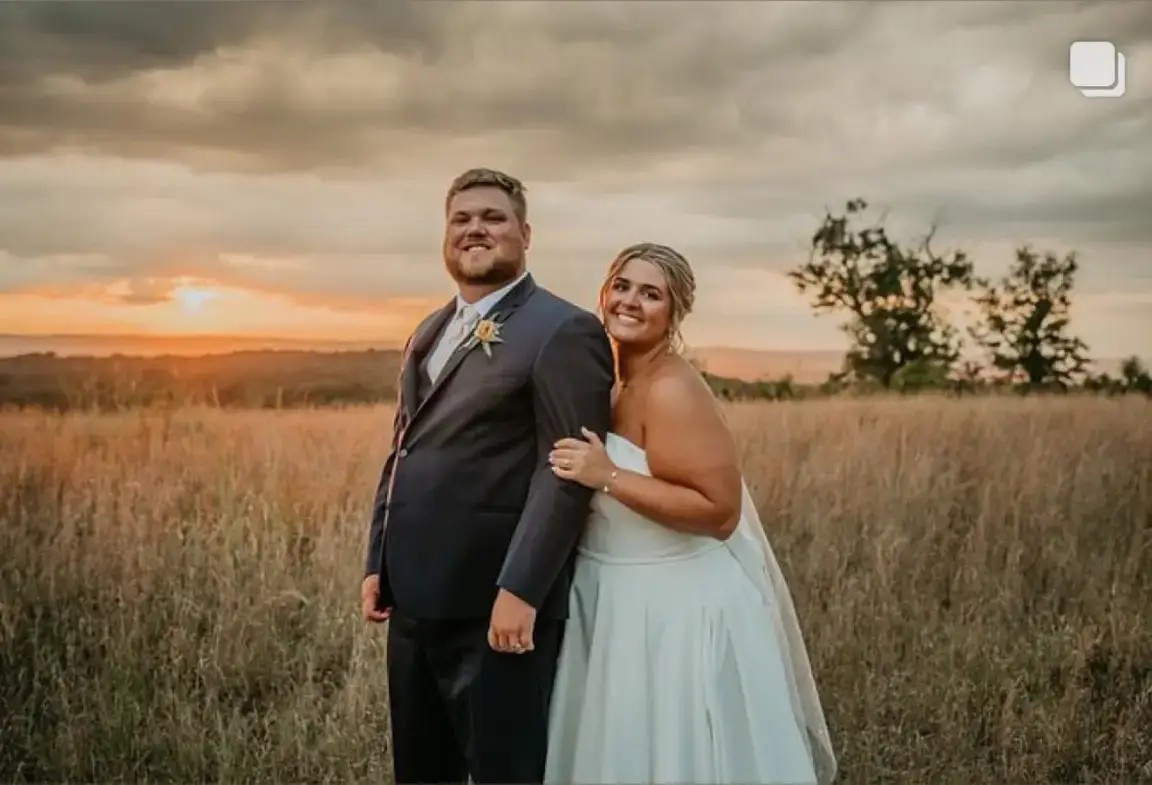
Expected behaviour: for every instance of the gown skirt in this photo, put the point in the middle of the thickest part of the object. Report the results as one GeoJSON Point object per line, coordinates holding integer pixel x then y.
{"type": "Point", "coordinates": [671, 668]}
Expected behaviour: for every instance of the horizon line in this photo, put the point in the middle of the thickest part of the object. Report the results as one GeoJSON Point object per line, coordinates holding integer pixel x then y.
{"type": "Point", "coordinates": [352, 344]}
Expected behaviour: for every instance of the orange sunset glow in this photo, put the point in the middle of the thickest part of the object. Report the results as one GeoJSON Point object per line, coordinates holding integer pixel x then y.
{"type": "Point", "coordinates": [204, 307]}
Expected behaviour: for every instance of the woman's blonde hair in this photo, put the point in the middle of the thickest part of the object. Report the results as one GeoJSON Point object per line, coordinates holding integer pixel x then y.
{"type": "Point", "coordinates": [677, 275]}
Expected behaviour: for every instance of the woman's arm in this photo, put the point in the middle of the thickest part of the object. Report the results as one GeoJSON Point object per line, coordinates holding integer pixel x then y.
{"type": "Point", "coordinates": [695, 486]}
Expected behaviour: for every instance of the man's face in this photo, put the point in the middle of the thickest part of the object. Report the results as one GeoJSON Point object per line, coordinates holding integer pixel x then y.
{"type": "Point", "coordinates": [484, 241]}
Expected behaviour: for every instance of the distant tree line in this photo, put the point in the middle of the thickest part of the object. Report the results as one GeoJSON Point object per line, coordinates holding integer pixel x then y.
{"type": "Point", "coordinates": [246, 379]}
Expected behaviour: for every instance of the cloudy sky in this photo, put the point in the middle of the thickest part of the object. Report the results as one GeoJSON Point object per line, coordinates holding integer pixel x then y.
{"type": "Point", "coordinates": [278, 168]}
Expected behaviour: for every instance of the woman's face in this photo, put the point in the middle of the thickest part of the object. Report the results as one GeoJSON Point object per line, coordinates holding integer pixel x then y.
{"type": "Point", "coordinates": [637, 307]}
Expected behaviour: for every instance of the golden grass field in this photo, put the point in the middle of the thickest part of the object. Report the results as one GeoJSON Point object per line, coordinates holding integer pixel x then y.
{"type": "Point", "coordinates": [179, 596]}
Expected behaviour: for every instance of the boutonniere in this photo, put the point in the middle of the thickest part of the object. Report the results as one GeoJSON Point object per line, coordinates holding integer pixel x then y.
{"type": "Point", "coordinates": [485, 333]}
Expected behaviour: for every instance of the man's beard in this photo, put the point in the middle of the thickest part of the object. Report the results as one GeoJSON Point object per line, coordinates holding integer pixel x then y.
{"type": "Point", "coordinates": [501, 270]}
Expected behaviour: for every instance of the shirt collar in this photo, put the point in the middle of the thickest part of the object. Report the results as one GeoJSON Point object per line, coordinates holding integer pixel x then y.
{"type": "Point", "coordinates": [485, 303]}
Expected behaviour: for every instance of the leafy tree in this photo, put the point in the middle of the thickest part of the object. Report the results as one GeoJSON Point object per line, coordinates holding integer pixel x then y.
{"type": "Point", "coordinates": [1135, 376]}
{"type": "Point", "coordinates": [889, 293]}
{"type": "Point", "coordinates": [1024, 321]}
{"type": "Point", "coordinates": [1103, 383]}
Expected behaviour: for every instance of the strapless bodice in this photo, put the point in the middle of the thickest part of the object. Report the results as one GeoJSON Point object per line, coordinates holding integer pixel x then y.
{"type": "Point", "coordinates": [618, 533]}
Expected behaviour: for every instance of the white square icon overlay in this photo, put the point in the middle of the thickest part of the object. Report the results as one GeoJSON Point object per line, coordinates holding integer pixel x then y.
{"type": "Point", "coordinates": [1097, 69]}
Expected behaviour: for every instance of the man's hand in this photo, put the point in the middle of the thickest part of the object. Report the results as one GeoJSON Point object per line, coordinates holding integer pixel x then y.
{"type": "Point", "coordinates": [369, 595]}
{"type": "Point", "coordinates": [510, 630]}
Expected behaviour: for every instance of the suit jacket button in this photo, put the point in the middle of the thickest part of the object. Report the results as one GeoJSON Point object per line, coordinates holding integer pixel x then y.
{"type": "Point", "coordinates": [403, 452]}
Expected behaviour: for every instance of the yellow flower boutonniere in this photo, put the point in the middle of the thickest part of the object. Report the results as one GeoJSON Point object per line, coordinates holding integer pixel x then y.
{"type": "Point", "coordinates": [486, 333]}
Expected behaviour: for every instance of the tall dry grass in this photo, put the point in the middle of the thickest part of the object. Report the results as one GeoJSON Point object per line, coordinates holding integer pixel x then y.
{"type": "Point", "coordinates": [178, 599]}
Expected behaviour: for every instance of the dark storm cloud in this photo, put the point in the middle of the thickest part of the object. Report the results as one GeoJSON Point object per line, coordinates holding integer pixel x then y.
{"type": "Point", "coordinates": [587, 87]}
{"type": "Point", "coordinates": [69, 77]}
{"type": "Point", "coordinates": [636, 79]}
{"type": "Point", "coordinates": [101, 41]}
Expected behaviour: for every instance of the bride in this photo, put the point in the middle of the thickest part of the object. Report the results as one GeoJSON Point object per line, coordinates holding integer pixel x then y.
{"type": "Point", "coordinates": [682, 660]}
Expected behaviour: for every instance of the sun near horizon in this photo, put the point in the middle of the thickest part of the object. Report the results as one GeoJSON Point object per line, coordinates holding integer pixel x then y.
{"type": "Point", "coordinates": [186, 307]}
{"type": "Point", "coordinates": [191, 315]}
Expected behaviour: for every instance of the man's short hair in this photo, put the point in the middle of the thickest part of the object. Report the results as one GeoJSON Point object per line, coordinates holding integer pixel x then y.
{"type": "Point", "coordinates": [476, 178]}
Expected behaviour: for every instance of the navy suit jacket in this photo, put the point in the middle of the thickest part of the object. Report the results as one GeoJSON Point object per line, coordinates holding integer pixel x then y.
{"type": "Point", "coordinates": [466, 501]}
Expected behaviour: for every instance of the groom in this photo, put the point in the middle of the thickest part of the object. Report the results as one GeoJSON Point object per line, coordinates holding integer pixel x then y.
{"type": "Point", "coordinates": [472, 536]}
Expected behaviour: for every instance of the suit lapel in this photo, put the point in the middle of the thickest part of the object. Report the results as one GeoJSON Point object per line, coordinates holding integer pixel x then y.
{"type": "Point", "coordinates": [501, 311]}
{"type": "Point", "coordinates": [422, 343]}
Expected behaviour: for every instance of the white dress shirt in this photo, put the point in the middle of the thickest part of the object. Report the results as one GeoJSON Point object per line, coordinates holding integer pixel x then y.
{"type": "Point", "coordinates": [462, 323]}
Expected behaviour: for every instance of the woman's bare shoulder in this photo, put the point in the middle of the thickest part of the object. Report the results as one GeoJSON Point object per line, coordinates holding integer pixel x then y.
{"type": "Point", "coordinates": [677, 384]}
{"type": "Point", "coordinates": [687, 439]}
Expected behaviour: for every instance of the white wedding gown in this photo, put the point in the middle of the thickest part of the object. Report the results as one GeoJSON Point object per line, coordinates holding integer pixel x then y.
{"type": "Point", "coordinates": [682, 661]}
